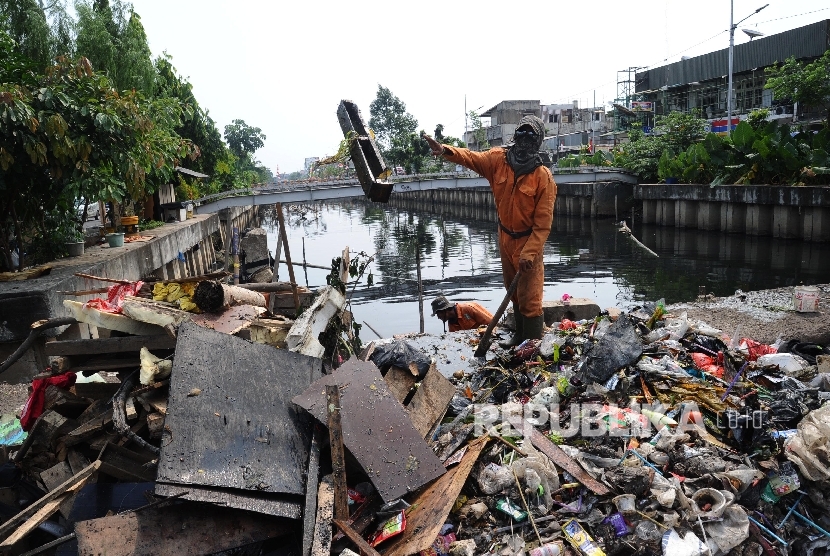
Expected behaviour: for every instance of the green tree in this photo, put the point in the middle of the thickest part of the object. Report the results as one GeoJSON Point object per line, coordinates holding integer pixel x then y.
{"type": "Point", "coordinates": [243, 140]}
{"type": "Point", "coordinates": [805, 83]}
{"type": "Point", "coordinates": [71, 135]}
{"type": "Point", "coordinates": [389, 119]}
{"type": "Point", "coordinates": [112, 37]}
{"type": "Point", "coordinates": [26, 24]}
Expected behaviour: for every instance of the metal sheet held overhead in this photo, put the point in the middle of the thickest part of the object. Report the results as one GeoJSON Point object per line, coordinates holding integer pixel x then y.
{"type": "Point", "coordinates": [376, 429]}
{"type": "Point", "coordinates": [368, 162]}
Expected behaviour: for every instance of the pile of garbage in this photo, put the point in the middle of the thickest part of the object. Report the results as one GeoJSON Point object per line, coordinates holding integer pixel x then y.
{"type": "Point", "coordinates": [649, 434]}
{"type": "Point", "coordinates": [239, 433]}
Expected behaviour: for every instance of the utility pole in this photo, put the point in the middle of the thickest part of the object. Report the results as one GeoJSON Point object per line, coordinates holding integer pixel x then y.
{"type": "Point", "coordinates": [732, 27]}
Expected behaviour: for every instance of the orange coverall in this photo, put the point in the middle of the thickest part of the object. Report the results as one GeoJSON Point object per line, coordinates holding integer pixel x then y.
{"type": "Point", "coordinates": [523, 204]}
{"type": "Point", "coordinates": [470, 315]}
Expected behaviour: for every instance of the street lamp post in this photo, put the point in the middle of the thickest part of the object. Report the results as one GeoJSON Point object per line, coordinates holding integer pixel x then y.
{"type": "Point", "coordinates": [732, 27]}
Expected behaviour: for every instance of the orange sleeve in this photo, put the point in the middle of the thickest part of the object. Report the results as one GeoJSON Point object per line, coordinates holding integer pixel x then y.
{"type": "Point", "coordinates": [542, 217]}
{"type": "Point", "coordinates": [480, 162]}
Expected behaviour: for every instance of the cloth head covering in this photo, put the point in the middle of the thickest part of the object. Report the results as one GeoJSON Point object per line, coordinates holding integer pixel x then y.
{"type": "Point", "coordinates": [521, 167]}
{"type": "Point", "coordinates": [440, 303]}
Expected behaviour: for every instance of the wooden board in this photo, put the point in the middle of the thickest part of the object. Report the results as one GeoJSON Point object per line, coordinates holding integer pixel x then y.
{"type": "Point", "coordinates": [230, 321]}
{"type": "Point", "coordinates": [312, 483]}
{"type": "Point", "coordinates": [430, 402]}
{"type": "Point", "coordinates": [321, 544]}
{"type": "Point", "coordinates": [429, 510]}
{"type": "Point", "coordinates": [175, 531]}
{"type": "Point", "coordinates": [376, 429]}
{"type": "Point", "coordinates": [400, 382]}
{"type": "Point", "coordinates": [110, 345]}
{"type": "Point", "coordinates": [229, 416]}
{"type": "Point", "coordinates": [280, 505]}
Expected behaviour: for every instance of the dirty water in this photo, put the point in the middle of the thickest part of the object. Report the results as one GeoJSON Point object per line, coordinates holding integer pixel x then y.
{"type": "Point", "coordinates": [583, 257]}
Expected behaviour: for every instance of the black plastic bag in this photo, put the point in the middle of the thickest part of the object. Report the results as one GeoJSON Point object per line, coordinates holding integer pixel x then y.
{"type": "Point", "coordinates": [619, 347]}
{"type": "Point", "coordinates": [401, 353]}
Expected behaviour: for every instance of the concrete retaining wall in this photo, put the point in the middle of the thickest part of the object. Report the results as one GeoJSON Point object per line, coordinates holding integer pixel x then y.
{"type": "Point", "coordinates": [178, 250]}
{"type": "Point", "coordinates": [758, 210]}
{"type": "Point", "coordinates": [599, 199]}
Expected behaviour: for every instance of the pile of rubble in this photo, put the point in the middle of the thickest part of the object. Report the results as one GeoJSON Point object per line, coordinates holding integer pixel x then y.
{"type": "Point", "coordinates": [243, 432]}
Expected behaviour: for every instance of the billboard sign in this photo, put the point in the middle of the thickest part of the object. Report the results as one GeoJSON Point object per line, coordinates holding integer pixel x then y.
{"type": "Point", "coordinates": [642, 106]}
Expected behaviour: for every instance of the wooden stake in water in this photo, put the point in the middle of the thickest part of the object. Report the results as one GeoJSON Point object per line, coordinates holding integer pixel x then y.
{"type": "Point", "coordinates": [305, 269]}
{"type": "Point", "coordinates": [284, 239]}
{"type": "Point", "coordinates": [420, 286]}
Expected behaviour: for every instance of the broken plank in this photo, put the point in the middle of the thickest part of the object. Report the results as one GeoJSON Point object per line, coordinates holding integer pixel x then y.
{"type": "Point", "coordinates": [53, 495]}
{"type": "Point", "coordinates": [97, 390]}
{"type": "Point", "coordinates": [279, 505]}
{"type": "Point", "coordinates": [560, 458]}
{"type": "Point", "coordinates": [153, 312]}
{"type": "Point", "coordinates": [155, 424]}
{"type": "Point", "coordinates": [76, 460]}
{"type": "Point", "coordinates": [321, 545]}
{"type": "Point", "coordinates": [430, 401]}
{"type": "Point", "coordinates": [174, 531]}
{"type": "Point", "coordinates": [110, 345]}
{"type": "Point", "coordinates": [129, 408]}
{"type": "Point", "coordinates": [127, 465]}
{"type": "Point", "coordinates": [377, 430]}
{"type": "Point", "coordinates": [312, 482]}
{"type": "Point", "coordinates": [430, 508]}
{"type": "Point", "coordinates": [32, 523]}
{"type": "Point", "coordinates": [110, 321]}
{"type": "Point", "coordinates": [96, 364]}
{"type": "Point", "coordinates": [361, 543]}
{"type": "Point", "coordinates": [338, 456]}
{"type": "Point", "coordinates": [400, 382]}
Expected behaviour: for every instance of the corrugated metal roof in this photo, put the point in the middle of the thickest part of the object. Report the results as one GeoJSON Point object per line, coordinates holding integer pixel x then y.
{"type": "Point", "coordinates": [189, 172]}
{"type": "Point", "coordinates": [810, 41]}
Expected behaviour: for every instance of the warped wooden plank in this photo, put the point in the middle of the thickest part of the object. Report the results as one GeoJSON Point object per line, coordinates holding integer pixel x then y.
{"type": "Point", "coordinates": [110, 345]}
{"type": "Point", "coordinates": [321, 544]}
{"type": "Point", "coordinates": [429, 510]}
{"type": "Point", "coordinates": [174, 531]}
{"type": "Point", "coordinates": [430, 402]}
{"type": "Point", "coordinates": [361, 543]}
{"type": "Point", "coordinates": [400, 382]}
{"type": "Point", "coordinates": [376, 429]}
{"type": "Point", "coordinates": [37, 518]}
{"type": "Point", "coordinates": [53, 495]}
{"type": "Point", "coordinates": [312, 483]}
{"type": "Point", "coordinates": [279, 505]}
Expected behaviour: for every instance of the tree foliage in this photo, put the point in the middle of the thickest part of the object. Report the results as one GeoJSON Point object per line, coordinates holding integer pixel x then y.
{"type": "Point", "coordinates": [389, 119]}
{"type": "Point", "coordinates": [479, 132]}
{"type": "Point", "coordinates": [804, 83]}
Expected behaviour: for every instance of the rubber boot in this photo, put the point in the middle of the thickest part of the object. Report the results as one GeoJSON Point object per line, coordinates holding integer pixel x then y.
{"type": "Point", "coordinates": [533, 327]}
{"type": "Point", "coordinates": [518, 333]}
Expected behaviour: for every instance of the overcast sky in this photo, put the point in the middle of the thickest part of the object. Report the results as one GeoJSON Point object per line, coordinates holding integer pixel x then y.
{"type": "Point", "coordinates": [285, 66]}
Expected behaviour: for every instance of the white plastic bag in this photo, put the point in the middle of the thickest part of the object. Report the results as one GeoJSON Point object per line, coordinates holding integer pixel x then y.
{"type": "Point", "coordinates": [809, 449]}
{"type": "Point", "coordinates": [788, 363]}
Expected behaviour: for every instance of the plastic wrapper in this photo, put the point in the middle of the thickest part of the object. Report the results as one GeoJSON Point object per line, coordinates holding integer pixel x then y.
{"type": "Point", "coordinates": [722, 536]}
{"type": "Point", "coordinates": [511, 509]}
{"type": "Point", "coordinates": [578, 538]}
{"type": "Point", "coordinates": [392, 527]}
{"type": "Point", "coordinates": [809, 449]}
{"type": "Point", "coordinates": [550, 343]}
{"type": "Point", "coordinates": [688, 545]}
{"type": "Point", "coordinates": [494, 479]}
{"type": "Point", "coordinates": [115, 297]}
{"type": "Point", "coordinates": [788, 363]}
{"type": "Point", "coordinates": [401, 354]}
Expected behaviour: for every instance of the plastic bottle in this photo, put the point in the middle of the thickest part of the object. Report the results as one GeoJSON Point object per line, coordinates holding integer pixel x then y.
{"type": "Point", "coordinates": [547, 550]}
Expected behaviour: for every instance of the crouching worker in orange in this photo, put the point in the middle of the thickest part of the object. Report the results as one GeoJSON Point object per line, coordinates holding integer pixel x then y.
{"type": "Point", "coordinates": [460, 316]}
{"type": "Point", "coordinates": [524, 191]}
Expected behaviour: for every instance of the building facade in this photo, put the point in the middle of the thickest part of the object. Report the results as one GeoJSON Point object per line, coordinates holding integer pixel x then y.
{"type": "Point", "coordinates": [701, 83]}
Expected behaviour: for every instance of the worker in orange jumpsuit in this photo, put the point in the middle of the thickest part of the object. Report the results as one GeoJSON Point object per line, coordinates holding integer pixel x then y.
{"type": "Point", "coordinates": [525, 192]}
{"type": "Point", "coordinates": [460, 316]}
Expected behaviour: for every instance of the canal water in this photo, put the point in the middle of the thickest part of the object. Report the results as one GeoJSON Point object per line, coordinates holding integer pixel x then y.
{"type": "Point", "coordinates": [583, 258]}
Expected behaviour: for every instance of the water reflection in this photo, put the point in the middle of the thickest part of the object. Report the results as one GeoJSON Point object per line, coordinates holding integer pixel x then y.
{"type": "Point", "coordinates": [583, 257]}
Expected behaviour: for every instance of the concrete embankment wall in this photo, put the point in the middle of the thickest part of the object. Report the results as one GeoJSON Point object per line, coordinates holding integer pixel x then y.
{"type": "Point", "coordinates": [177, 250]}
{"type": "Point", "coordinates": [598, 199]}
{"type": "Point", "coordinates": [757, 210]}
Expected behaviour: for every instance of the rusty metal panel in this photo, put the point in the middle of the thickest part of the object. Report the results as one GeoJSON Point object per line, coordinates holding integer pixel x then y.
{"type": "Point", "coordinates": [186, 529]}
{"type": "Point", "coordinates": [368, 162]}
{"type": "Point", "coordinates": [376, 429]}
{"type": "Point", "coordinates": [230, 422]}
